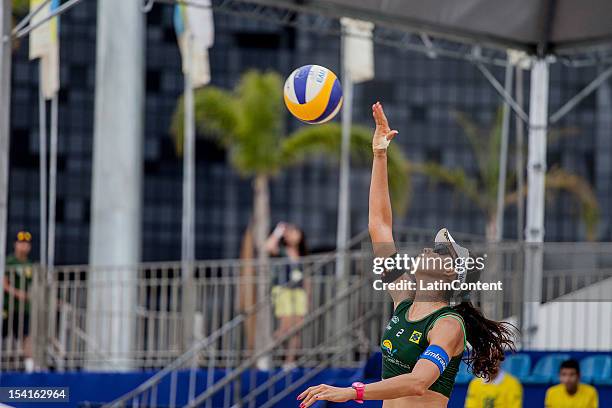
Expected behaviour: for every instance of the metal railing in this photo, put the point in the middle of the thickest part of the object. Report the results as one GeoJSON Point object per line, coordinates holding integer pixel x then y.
{"type": "Point", "coordinates": [73, 317]}
{"type": "Point", "coordinates": [222, 291]}
{"type": "Point", "coordinates": [326, 338]}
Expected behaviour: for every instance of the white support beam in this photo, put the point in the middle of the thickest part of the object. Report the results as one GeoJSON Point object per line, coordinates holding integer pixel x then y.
{"type": "Point", "coordinates": [344, 210]}
{"type": "Point", "coordinates": [115, 236]}
{"type": "Point", "coordinates": [188, 214]}
{"type": "Point", "coordinates": [5, 103]}
{"type": "Point", "coordinates": [536, 166]}
{"type": "Point", "coordinates": [344, 192]}
{"type": "Point", "coordinates": [536, 173]}
{"type": "Point", "coordinates": [503, 159]}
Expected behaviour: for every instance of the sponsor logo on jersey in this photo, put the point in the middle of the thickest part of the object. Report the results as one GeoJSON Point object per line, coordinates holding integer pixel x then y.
{"type": "Point", "coordinates": [415, 337]}
{"type": "Point", "coordinates": [388, 346]}
{"type": "Point", "coordinates": [395, 319]}
{"type": "Point", "coordinates": [437, 357]}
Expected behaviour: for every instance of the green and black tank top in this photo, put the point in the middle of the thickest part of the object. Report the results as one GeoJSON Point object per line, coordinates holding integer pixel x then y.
{"type": "Point", "coordinates": [403, 342]}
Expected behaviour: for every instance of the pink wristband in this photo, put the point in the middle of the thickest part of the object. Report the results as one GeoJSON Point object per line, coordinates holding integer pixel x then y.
{"type": "Point", "coordinates": [360, 388]}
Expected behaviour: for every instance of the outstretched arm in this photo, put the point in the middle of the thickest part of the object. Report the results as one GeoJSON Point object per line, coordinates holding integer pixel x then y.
{"type": "Point", "coordinates": [380, 222]}
{"type": "Point", "coordinates": [380, 219]}
{"type": "Point", "coordinates": [415, 383]}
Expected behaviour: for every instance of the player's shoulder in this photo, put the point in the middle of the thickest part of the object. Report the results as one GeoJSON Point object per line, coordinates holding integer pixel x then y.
{"type": "Point", "coordinates": [449, 331]}
{"type": "Point", "coordinates": [477, 382]}
{"type": "Point", "coordinates": [587, 389]}
{"type": "Point", "coordinates": [449, 321]}
{"type": "Point", "coordinates": [512, 380]}
{"type": "Point", "coordinates": [555, 389]}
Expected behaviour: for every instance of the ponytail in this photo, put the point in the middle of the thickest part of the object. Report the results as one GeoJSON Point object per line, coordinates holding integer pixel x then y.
{"type": "Point", "coordinates": [488, 340]}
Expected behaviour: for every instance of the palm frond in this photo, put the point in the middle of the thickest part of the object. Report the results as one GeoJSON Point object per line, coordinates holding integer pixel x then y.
{"type": "Point", "coordinates": [555, 134]}
{"type": "Point", "coordinates": [581, 190]}
{"type": "Point", "coordinates": [512, 198]}
{"type": "Point", "coordinates": [310, 141]}
{"type": "Point", "coordinates": [20, 7]}
{"type": "Point", "coordinates": [475, 138]}
{"type": "Point", "coordinates": [455, 178]}
{"type": "Point", "coordinates": [314, 141]}
{"type": "Point", "coordinates": [491, 149]}
{"type": "Point", "coordinates": [216, 117]}
{"type": "Point", "coordinates": [259, 127]}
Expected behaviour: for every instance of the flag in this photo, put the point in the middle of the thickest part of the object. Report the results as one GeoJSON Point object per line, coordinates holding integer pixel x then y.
{"type": "Point", "coordinates": [195, 32]}
{"type": "Point", "coordinates": [358, 49]}
{"type": "Point", "coordinates": [44, 44]}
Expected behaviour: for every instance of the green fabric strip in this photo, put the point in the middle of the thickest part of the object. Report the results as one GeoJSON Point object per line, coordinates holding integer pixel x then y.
{"type": "Point", "coordinates": [459, 319]}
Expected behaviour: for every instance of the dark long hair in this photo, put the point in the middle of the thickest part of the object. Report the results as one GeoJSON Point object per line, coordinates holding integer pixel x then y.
{"type": "Point", "coordinates": [488, 340]}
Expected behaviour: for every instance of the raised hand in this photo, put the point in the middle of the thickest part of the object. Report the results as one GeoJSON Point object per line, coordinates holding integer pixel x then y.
{"type": "Point", "coordinates": [383, 134]}
{"type": "Point", "coordinates": [280, 229]}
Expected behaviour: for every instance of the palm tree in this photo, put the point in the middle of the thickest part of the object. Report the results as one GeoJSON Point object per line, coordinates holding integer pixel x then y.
{"type": "Point", "coordinates": [248, 123]}
{"type": "Point", "coordinates": [481, 188]}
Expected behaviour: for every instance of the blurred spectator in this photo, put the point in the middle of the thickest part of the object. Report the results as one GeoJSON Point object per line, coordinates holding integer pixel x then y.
{"type": "Point", "coordinates": [503, 391]}
{"type": "Point", "coordinates": [571, 393]}
{"type": "Point", "coordinates": [17, 284]}
{"type": "Point", "coordinates": [288, 286]}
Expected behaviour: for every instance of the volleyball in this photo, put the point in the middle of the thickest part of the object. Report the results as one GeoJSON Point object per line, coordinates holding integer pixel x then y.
{"type": "Point", "coordinates": [313, 94]}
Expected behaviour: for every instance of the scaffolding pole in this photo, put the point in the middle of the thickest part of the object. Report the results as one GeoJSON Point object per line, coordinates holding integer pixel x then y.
{"type": "Point", "coordinates": [503, 159]}
{"type": "Point", "coordinates": [188, 216]}
{"type": "Point", "coordinates": [42, 166]}
{"type": "Point", "coordinates": [520, 162]}
{"type": "Point", "coordinates": [343, 226]}
{"type": "Point", "coordinates": [52, 185]}
{"type": "Point", "coordinates": [5, 103]}
{"type": "Point", "coordinates": [116, 191]}
{"type": "Point", "coordinates": [536, 172]}
{"type": "Point", "coordinates": [344, 210]}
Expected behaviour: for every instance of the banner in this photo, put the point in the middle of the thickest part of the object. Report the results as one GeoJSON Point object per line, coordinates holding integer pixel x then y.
{"type": "Point", "coordinates": [44, 44]}
{"type": "Point", "coordinates": [358, 49]}
{"type": "Point", "coordinates": [195, 31]}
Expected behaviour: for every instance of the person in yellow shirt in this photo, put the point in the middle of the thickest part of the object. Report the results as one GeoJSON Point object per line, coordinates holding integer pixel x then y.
{"type": "Point", "coordinates": [503, 391]}
{"type": "Point", "coordinates": [571, 393]}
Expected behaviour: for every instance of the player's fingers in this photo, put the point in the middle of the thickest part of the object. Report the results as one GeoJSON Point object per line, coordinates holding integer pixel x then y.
{"type": "Point", "coordinates": [304, 393]}
{"type": "Point", "coordinates": [382, 114]}
{"type": "Point", "coordinates": [323, 396]}
{"type": "Point", "coordinates": [309, 395]}
{"type": "Point", "coordinates": [389, 136]}
{"type": "Point", "coordinates": [309, 400]}
{"type": "Point", "coordinates": [376, 114]}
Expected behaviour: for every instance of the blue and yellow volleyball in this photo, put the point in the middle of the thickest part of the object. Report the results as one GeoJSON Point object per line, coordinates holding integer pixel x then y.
{"type": "Point", "coordinates": [313, 94]}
